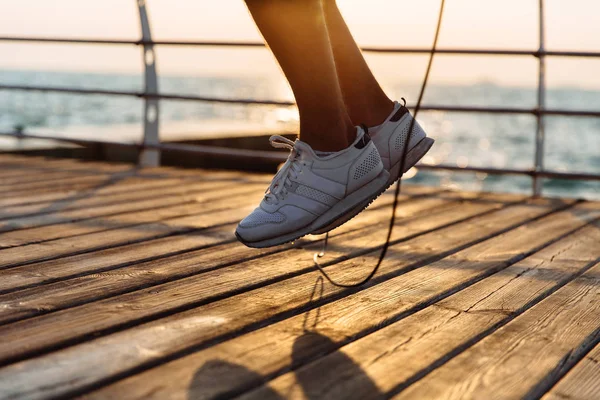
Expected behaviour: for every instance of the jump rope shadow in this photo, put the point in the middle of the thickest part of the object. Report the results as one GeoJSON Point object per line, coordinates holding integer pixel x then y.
{"type": "Point", "coordinates": [215, 378]}
{"type": "Point", "coordinates": [219, 378]}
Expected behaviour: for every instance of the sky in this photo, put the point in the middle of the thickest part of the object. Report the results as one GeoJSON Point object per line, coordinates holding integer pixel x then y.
{"type": "Point", "coordinates": [495, 24]}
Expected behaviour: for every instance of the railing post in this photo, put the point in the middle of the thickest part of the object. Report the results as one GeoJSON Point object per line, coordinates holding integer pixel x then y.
{"type": "Point", "coordinates": [149, 157]}
{"type": "Point", "coordinates": [540, 134]}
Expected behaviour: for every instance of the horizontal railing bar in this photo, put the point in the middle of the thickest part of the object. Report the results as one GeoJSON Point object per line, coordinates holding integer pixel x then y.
{"type": "Point", "coordinates": [69, 40]}
{"type": "Point", "coordinates": [199, 149]}
{"type": "Point", "coordinates": [143, 95]}
{"type": "Point", "coordinates": [465, 51]}
{"type": "Point", "coordinates": [469, 109]}
{"type": "Point", "coordinates": [509, 171]}
{"type": "Point", "coordinates": [281, 156]}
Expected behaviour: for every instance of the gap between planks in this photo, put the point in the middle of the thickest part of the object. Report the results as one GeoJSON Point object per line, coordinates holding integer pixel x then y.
{"type": "Point", "coordinates": [49, 298]}
{"type": "Point", "coordinates": [391, 359]}
{"type": "Point", "coordinates": [294, 292]}
{"type": "Point", "coordinates": [188, 205]}
{"type": "Point", "coordinates": [582, 382]}
{"type": "Point", "coordinates": [304, 264]}
{"type": "Point", "coordinates": [99, 261]}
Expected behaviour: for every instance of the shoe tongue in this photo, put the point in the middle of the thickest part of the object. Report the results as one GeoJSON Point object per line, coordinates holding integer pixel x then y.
{"type": "Point", "coordinates": [304, 148]}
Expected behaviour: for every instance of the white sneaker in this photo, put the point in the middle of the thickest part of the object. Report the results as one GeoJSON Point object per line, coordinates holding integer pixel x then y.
{"type": "Point", "coordinates": [310, 192]}
{"type": "Point", "coordinates": [389, 138]}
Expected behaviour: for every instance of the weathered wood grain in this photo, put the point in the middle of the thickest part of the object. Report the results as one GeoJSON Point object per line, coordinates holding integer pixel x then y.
{"type": "Point", "coordinates": [21, 193]}
{"type": "Point", "coordinates": [111, 187]}
{"type": "Point", "coordinates": [15, 170]}
{"type": "Point", "coordinates": [47, 163]}
{"type": "Point", "coordinates": [394, 355]}
{"type": "Point", "coordinates": [140, 189]}
{"type": "Point", "coordinates": [243, 275]}
{"type": "Point", "coordinates": [165, 298]}
{"type": "Point", "coordinates": [513, 360]}
{"type": "Point", "coordinates": [96, 262]}
{"type": "Point", "coordinates": [122, 190]}
{"type": "Point", "coordinates": [131, 189]}
{"type": "Point", "coordinates": [49, 176]}
{"type": "Point", "coordinates": [13, 196]}
{"type": "Point", "coordinates": [7, 181]}
{"type": "Point", "coordinates": [203, 323]}
{"type": "Point", "coordinates": [87, 288]}
{"type": "Point", "coordinates": [65, 183]}
{"type": "Point", "coordinates": [178, 206]}
{"type": "Point", "coordinates": [15, 256]}
{"type": "Point", "coordinates": [580, 383]}
{"type": "Point", "coordinates": [199, 193]}
{"type": "Point", "coordinates": [104, 260]}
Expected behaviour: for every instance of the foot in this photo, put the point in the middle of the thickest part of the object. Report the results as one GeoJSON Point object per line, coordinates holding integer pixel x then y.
{"type": "Point", "coordinates": [390, 138]}
{"type": "Point", "coordinates": [311, 191]}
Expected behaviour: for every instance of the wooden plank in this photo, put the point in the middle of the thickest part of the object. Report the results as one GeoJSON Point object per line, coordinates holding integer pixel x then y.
{"type": "Point", "coordinates": [116, 186]}
{"type": "Point", "coordinates": [74, 181]}
{"type": "Point", "coordinates": [120, 185]}
{"type": "Point", "coordinates": [202, 324]}
{"type": "Point", "coordinates": [130, 190]}
{"type": "Point", "coordinates": [126, 221]}
{"type": "Point", "coordinates": [82, 289]}
{"type": "Point", "coordinates": [60, 163]}
{"type": "Point", "coordinates": [304, 262]}
{"type": "Point", "coordinates": [196, 203]}
{"type": "Point", "coordinates": [25, 171]}
{"type": "Point", "coordinates": [44, 161]}
{"type": "Point", "coordinates": [89, 263]}
{"type": "Point", "coordinates": [39, 176]}
{"type": "Point", "coordinates": [390, 358]}
{"type": "Point", "coordinates": [202, 192]}
{"type": "Point", "coordinates": [580, 383]}
{"type": "Point", "coordinates": [165, 171]}
{"type": "Point", "coordinates": [14, 171]}
{"type": "Point", "coordinates": [104, 169]}
{"type": "Point", "coordinates": [512, 361]}
{"type": "Point", "coordinates": [142, 188]}
{"type": "Point", "coordinates": [11, 257]}
{"type": "Point", "coordinates": [72, 164]}
{"type": "Point", "coordinates": [14, 256]}
{"type": "Point", "coordinates": [81, 183]}
{"type": "Point", "coordinates": [86, 166]}
{"type": "Point", "coordinates": [44, 272]}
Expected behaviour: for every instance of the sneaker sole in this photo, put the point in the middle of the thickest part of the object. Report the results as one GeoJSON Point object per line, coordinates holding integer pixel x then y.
{"type": "Point", "coordinates": [412, 157]}
{"type": "Point", "coordinates": [343, 209]}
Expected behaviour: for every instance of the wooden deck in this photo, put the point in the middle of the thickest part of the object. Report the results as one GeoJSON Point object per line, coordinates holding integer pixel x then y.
{"type": "Point", "coordinates": [117, 283]}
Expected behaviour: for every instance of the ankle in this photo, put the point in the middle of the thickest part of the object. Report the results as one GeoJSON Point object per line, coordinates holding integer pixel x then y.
{"type": "Point", "coordinates": [378, 115]}
{"type": "Point", "coordinates": [326, 145]}
{"type": "Point", "coordinates": [333, 141]}
{"type": "Point", "coordinates": [371, 113]}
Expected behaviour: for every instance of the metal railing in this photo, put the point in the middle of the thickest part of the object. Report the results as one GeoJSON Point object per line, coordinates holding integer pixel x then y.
{"type": "Point", "coordinates": [150, 147]}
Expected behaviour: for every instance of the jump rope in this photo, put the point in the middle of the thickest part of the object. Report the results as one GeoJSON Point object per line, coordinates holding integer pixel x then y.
{"type": "Point", "coordinates": [384, 250]}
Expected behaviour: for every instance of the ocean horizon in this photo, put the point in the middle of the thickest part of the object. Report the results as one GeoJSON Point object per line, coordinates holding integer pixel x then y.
{"type": "Point", "coordinates": [482, 140]}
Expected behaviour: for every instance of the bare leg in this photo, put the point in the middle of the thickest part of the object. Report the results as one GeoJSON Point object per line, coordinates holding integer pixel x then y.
{"type": "Point", "coordinates": [296, 32]}
{"type": "Point", "coordinates": [365, 100]}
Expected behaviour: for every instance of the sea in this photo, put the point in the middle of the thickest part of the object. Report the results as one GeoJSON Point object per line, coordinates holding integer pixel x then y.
{"type": "Point", "coordinates": [462, 139]}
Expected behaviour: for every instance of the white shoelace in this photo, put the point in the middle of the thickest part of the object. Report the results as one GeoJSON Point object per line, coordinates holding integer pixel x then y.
{"type": "Point", "coordinates": [281, 181]}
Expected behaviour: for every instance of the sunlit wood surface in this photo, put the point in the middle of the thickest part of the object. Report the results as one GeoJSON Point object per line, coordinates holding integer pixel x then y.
{"type": "Point", "coordinates": [119, 283]}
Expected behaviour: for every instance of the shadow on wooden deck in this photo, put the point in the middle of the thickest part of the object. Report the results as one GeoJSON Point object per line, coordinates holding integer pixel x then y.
{"type": "Point", "coordinates": [125, 283]}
